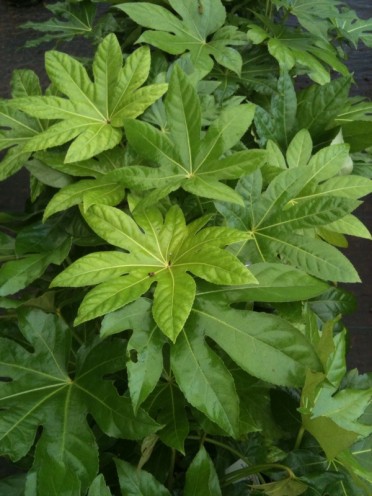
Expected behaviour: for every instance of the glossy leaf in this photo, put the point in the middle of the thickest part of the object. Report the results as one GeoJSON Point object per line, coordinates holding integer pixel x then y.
{"type": "Point", "coordinates": [92, 114]}
{"type": "Point", "coordinates": [278, 220]}
{"type": "Point", "coordinates": [184, 158]}
{"type": "Point", "coordinates": [162, 252]}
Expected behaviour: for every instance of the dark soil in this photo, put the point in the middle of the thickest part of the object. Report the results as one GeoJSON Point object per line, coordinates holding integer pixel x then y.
{"type": "Point", "coordinates": [14, 191]}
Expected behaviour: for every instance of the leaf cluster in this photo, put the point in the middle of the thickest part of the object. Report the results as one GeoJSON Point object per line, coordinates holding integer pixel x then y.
{"type": "Point", "coordinates": [170, 308]}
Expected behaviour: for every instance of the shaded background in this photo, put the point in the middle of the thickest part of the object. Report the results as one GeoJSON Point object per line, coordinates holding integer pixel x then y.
{"type": "Point", "coordinates": [14, 191]}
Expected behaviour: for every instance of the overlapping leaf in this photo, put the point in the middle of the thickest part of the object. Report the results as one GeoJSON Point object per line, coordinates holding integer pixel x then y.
{"type": "Point", "coordinates": [299, 50]}
{"type": "Point", "coordinates": [281, 221]}
{"type": "Point", "coordinates": [16, 128]}
{"type": "Point", "coordinates": [92, 114]}
{"type": "Point", "coordinates": [181, 156]}
{"type": "Point", "coordinates": [161, 251]}
{"type": "Point", "coordinates": [263, 345]}
{"type": "Point", "coordinates": [330, 413]}
{"type": "Point", "coordinates": [40, 391]}
{"type": "Point", "coordinates": [199, 20]}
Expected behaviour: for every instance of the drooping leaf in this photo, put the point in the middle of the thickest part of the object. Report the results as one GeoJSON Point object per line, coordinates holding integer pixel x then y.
{"type": "Point", "coordinates": [199, 20]}
{"type": "Point", "coordinates": [92, 114]}
{"type": "Point", "coordinates": [164, 253]}
{"type": "Point", "coordinates": [41, 392]}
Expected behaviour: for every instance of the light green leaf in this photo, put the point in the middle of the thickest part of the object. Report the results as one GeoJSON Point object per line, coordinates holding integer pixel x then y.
{"type": "Point", "coordinates": [274, 155]}
{"type": "Point", "coordinates": [263, 345]}
{"type": "Point", "coordinates": [173, 299]}
{"type": "Point", "coordinates": [299, 149]}
{"type": "Point", "coordinates": [87, 191]}
{"type": "Point", "coordinates": [346, 186]}
{"type": "Point", "coordinates": [111, 295]}
{"type": "Point", "coordinates": [93, 113]}
{"type": "Point", "coordinates": [201, 476]}
{"type": "Point", "coordinates": [138, 482]}
{"type": "Point", "coordinates": [184, 156]}
{"type": "Point", "coordinates": [350, 225]}
{"type": "Point", "coordinates": [161, 252]}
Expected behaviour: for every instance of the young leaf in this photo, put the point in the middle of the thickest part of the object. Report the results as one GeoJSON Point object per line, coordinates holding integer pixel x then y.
{"type": "Point", "coordinates": [184, 158]}
{"type": "Point", "coordinates": [201, 476]}
{"type": "Point", "coordinates": [198, 21]}
{"type": "Point", "coordinates": [52, 399]}
{"type": "Point", "coordinates": [163, 252]}
{"type": "Point", "coordinates": [92, 114]}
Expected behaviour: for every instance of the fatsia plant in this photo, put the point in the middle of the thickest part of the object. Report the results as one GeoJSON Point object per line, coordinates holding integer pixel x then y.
{"type": "Point", "coordinates": [170, 307]}
{"type": "Point", "coordinates": [92, 114]}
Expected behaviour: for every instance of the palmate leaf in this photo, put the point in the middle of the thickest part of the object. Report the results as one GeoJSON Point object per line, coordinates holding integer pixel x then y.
{"type": "Point", "coordinates": [161, 252]}
{"type": "Point", "coordinates": [263, 345]}
{"type": "Point", "coordinates": [299, 50]}
{"type": "Point", "coordinates": [182, 158]}
{"type": "Point", "coordinates": [92, 114]}
{"type": "Point", "coordinates": [16, 129]}
{"type": "Point", "coordinates": [70, 20]}
{"type": "Point", "coordinates": [199, 20]}
{"type": "Point", "coordinates": [41, 392]}
{"type": "Point", "coordinates": [280, 222]}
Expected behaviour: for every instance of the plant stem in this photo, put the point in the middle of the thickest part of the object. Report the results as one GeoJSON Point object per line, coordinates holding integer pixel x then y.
{"type": "Point", "coordinates": [299, 437]}
{"type": "Point", "coordinates": [218, 443]}
{"type": "Point", "coordinates": [170, 479]}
